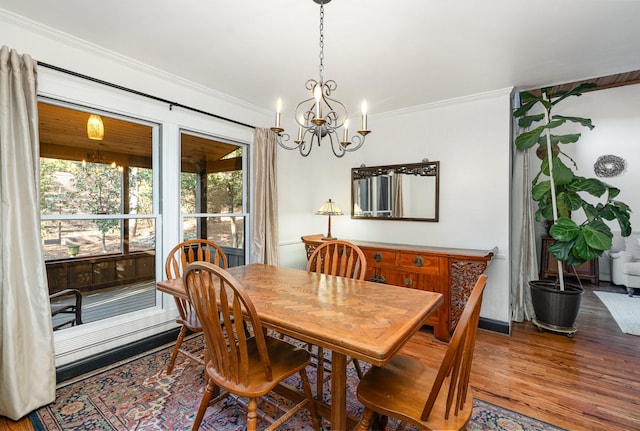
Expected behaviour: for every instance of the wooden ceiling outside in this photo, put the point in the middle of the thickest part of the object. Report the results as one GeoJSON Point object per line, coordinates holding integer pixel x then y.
{"type": "Point", "coordinates": [610, 81]}
{"type": "Point", "coordinates": [63, 135]}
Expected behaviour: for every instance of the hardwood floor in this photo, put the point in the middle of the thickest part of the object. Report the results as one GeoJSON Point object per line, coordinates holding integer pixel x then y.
{"type": "Point", "coordinates": [589, 382]}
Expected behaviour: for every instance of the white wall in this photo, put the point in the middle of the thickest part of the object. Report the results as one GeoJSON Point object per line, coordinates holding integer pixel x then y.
{"type": "Point", "coordinates": [471, 139]}
{"type": "Point", "coordinates": [615, 112]}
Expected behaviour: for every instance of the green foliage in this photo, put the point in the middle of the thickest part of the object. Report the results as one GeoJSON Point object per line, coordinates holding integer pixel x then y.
{"type": "Point", "coordinates": [573, 243]}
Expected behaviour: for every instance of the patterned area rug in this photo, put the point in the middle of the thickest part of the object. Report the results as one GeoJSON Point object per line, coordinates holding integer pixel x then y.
{"type": "Point", "coordinates": [624, 309]}
{"type": "Point", "coordinates": [137, 395]}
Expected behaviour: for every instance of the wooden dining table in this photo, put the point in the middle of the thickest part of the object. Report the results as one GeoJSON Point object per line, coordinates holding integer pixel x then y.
{"type": "Point", "coordinates": [352, 318]}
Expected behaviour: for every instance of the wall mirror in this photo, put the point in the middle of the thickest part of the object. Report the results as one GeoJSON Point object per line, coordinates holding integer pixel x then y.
{"type": "Point", "coordinates": [396, 192]}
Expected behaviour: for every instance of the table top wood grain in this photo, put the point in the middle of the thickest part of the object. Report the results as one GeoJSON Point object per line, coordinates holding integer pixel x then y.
{"type": "Point", "coordinates": [369, 321]}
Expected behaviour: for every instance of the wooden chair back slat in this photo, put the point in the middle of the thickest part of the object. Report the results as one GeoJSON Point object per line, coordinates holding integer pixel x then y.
{"type": "Point", "coordinates": [338, 257]}
{"type": "Point", "coordinates": [187, 252]}
{"type": "Point", "coordinates": [225, 311]}
{"type": "Point", "coordinates": [456, 364]}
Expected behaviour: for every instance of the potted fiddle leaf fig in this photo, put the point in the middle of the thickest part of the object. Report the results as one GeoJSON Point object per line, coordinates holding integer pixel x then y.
{"type": "Point", "coordinates": [561, 193]}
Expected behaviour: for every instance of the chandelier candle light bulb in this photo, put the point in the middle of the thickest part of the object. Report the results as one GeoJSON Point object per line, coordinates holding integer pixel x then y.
{"type": "Point", "coordinates": [278, 111]}
{"type": "Point", "coordinates": [363, 108]}
{"type": "Point", "coordinates": [345, 136]}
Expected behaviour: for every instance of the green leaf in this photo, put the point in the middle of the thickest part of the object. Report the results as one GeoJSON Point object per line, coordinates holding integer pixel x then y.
{"type": "Point", "coordinates": [540, 189]}
{"type": "Point", "coordinates": [613, 192]}
{"type": "Point", "coordinates": [622, 214]}
{"type": "Point", "coordinates": [571, 200]}
{"type": "Point", "coordinates": [593, 186]}
{"type": "Point", "coordinates": [525, 107]}
{"type": "Point", "coordinates": [590, 211]}
{"type": "Point", "coordinates": [561, 250]}
{"type": "Point", "coordinates": [564, 229]}
{"type": "Point", "coordinates": [527, 121]}
{"type": "Point", "coordinates": [581, 251]}
{"type": "Point", "coordinates": [575, 91]}
{"type": "Point", "coordinates": [561, 173]}
{"type": "Point", "coordinates": [597, 235]}
{"type": "Point", "coordinates": [545, 209]}
{"type": "Point", "coordinates": [565, 139]}
{"type": "Point", "coordinates": [586, 122]}
{"type": "Point", "coordinates": [554, 123]}
{"type": "Point", "coordinates": [528, 139]}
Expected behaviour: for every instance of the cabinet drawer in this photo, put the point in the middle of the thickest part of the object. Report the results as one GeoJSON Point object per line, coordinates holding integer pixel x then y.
{"type": "Point", "coordinates": [380, 258]}
{"type": "Point", "coordinates": [418, 262]}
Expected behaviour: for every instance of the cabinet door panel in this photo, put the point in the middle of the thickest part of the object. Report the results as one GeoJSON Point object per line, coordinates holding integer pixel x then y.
{"type": "Point", "coordinates": [430, 282]}
{"type": "Point", "coordinates": [392, 276]}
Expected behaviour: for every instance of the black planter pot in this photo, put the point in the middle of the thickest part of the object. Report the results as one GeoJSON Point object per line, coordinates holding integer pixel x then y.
{"type": "Point", "coordinates": [556, 309]}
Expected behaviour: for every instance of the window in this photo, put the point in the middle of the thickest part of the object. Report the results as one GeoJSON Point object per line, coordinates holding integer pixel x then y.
{"type": "Point", "coordinates": [383, 201]}
{"type": "Point", "coordinates": [213, 193]}
{"type": "Point", "coordinates": [98, 223]}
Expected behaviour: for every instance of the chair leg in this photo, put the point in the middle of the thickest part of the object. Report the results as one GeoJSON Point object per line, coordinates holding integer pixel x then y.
{"type": "Point", "coordinates": [356, 364]}
{"type": "Point", "coordinates": [176, 348]}
{"type": "Point", "coordinates": [252, 415]}
{"type": "Point", "coordinates": [310, 403]}
{"type": "Point", "coordinates": [365, 422]}
{"type": "Point", "coordinates": [206, 398]}
{"type": "Point", "coordinates": [320, 374]}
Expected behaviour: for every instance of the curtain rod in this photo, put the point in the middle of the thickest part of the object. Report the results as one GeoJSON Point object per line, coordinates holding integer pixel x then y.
{"type": "Point", "coordinates": [139, 93]}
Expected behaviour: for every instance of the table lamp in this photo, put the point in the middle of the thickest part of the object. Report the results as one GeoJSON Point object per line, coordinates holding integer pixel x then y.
{"type": "Point", "coordinates": [329, 208]}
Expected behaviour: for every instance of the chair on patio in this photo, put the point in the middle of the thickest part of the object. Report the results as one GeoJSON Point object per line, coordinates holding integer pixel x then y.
{"type": "Point", "coordinates": [423, 396]}
{"type": "Point", "coordinates": [193, 250]}
{"type": "Point", "coordinates": [246, 365]}
{"type": "Point", "coordinates": [71, 310]}
{"type": "Point", "coordinates": [344, 259]}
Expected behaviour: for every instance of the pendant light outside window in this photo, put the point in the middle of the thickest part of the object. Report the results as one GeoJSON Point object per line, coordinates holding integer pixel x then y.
{"type": "Point", "coordinates": [95, 127]}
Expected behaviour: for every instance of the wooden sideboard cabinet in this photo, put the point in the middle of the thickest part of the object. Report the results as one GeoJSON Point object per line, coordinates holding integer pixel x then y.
{"type": "Point", "coordinates": [450, 271]}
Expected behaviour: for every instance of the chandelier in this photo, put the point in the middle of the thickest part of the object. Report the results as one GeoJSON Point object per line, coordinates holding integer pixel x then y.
{"type": "Point", "coordinates": [320, 116]}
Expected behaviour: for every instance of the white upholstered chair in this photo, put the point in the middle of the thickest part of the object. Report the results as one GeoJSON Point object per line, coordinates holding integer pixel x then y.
{"type": "Point", "coordinates": [625, 264]}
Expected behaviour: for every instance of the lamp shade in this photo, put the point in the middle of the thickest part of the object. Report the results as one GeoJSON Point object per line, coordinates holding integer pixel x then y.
{"type": "Point", "coordinates": [95, 127]}
{"type": "Point", "coordinates": [329, 208]}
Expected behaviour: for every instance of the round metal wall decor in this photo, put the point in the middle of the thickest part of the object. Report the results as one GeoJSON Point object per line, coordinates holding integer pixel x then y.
{"type": "Point", "coordinates": [609, 165]}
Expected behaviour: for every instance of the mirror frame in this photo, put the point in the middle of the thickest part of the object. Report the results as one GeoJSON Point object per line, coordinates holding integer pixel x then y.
{"type": "Point", "coordinates": [424, 168]}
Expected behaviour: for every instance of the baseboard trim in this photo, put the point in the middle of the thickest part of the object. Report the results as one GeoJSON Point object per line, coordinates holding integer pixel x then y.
{"type": "Point", "coordinates": [91, 363]}
{"type": "Point", "coordinates": [494, 325]}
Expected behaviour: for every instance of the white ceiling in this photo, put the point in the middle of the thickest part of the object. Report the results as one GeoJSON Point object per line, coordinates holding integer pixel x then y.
{"type": "Point", "coordinates": [394, 53]}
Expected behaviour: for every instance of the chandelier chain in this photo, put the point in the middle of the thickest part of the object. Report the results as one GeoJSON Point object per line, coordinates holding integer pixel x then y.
{"type": "Point", "coordinates": [321, 41]}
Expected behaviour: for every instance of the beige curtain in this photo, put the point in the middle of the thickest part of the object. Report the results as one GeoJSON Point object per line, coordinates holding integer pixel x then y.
{"type": "Point", "coordinates": [27, 367]}
{"type": "Point", "coordinates": [524, 263]}
{"type": "Point", "coordinates": [397, 205]}
{"type": "Point", "coordinates": [264, 237]}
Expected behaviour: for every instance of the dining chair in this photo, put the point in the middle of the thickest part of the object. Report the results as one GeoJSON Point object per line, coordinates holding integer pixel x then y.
{"type": "Point", "coordinates": [245, 364]}
{"type": "Point", "coordinates": [71, 310]}
{"type": "Point", "coordinates": [186, 252]}
{"type": "Point", "coordinates": [425, 397]}
{"type": "Point", "coordinates": [344, 259]}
